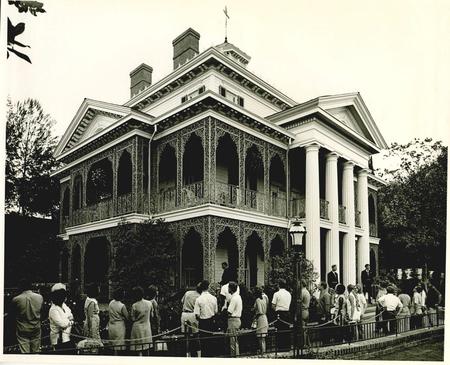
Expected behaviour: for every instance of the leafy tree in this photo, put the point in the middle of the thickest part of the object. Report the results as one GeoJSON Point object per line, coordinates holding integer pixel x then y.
{"type": "Point", "coordinates": [412, 207]}
{"type": "Point", "coordinates": [29, 159]}
{"type": "Point", "coordinates": [283, 268]}
{"type": "Point", "coordinates": [23, 6]}
{"type": "Point", "coordinates": [151, 249]}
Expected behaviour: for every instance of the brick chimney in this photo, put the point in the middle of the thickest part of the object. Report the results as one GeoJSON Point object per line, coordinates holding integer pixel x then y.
{"type": "Point", "coordinates": [140, 79]}
{"type": "Point", "coordinates": [185, 47]}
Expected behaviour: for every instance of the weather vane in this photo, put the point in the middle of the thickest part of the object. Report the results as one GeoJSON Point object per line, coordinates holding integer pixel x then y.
{"type": "Point", "coordinates": [226, 22]}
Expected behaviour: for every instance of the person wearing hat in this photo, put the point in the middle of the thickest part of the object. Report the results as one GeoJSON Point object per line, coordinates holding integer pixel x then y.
{"type": "Point", "coordinates": [60, 317]}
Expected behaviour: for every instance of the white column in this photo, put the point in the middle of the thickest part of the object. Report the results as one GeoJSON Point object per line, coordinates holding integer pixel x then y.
{"type": "Point", "coordinates": [363, 207]}
{"type": "Point", "coordinates": [312, 206]}
{"type": "Point", "coordinates": [331, 193]}
{"type": "Point", "coordinates": [348, 198]}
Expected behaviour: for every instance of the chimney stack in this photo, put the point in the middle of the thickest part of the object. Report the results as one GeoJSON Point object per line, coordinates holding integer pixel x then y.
{"type": "Point", "coordinates": [185, 47]}
{"type": "Point", "coordinates": [140, 79]}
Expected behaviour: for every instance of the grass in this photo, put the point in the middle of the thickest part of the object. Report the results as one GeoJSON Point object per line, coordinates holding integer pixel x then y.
{"type": "Point", "coordinates": [433, 351]}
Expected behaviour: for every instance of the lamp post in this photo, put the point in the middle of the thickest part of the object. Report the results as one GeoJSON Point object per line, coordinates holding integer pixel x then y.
{"type": "Point", "coordinates": [297, 230]}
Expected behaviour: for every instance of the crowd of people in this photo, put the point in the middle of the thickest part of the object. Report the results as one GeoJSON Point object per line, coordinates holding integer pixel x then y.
{"type": "Point", "coordinates": [206, 310]}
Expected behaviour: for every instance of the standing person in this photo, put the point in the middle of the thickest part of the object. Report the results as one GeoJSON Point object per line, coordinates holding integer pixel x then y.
{"type": "Point", "coordinates": [361, 298]}
{"type": "Point", "coordinates": [404, 312]}
{"type": "Point", "coordinates": [27, 309]}
{"type": "Point", "coordinates": [234, 318]}
{"type": "Point", "coordinates": [205, 308]}
{"type": "Point", "coordinates": [189, 323]}
{"type": "Point", "coordinates": [155, 319]}
{"type": "Point", "coordinates": [354, 309]}
{"type": "Point", "coordinates": [141, 332]}
{"type": "Point", "coordinates": [378, 309]}
{"type": "Point", "coordinates": [367, 281]}
{"type": "Point", "coordinates": [61, 320]}
{"type": "Point", "coordinates": [262, 325]}
{"type": "Point", "coordinates": [91, 326]}
{"type": "Point", "coordinates": [325, 303]}
{"type": "Point", "coordinates": [226, 275]}
{"type": "Point", "coordinates": [341, 317]}
{"type": "Point", "coordinates": [432, 301]}
{"type": "Point", "coordinates": [118, 315]}
{"type": "Point", "coordinates": [226, 296]}
{"type": "Point", "coordinates": [391, 305]}
{"type": "Point", "coordinates": [305, 303]}
{"type": "Point", "coordinates": [333, 278]}
{"type": "Point", "coordinates": [281, 302]}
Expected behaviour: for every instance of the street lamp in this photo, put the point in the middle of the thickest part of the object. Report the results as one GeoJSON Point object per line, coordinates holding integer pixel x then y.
{"type": "Point", "coordinates": [297, 230]}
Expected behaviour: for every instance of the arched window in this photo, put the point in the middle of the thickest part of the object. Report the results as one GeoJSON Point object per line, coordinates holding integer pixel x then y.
{"type": "Point", "coordinates": [99, 182]}
{"type": "Point", "coordinates": [77, 198]}
{"type": "Point", "coordinates": [192, 259]}
{"type": "Point", "coordinates": [66, 203]}
{"type": "Point", "coordinates": [125, 174]}
{"type": "Point", "coordinates": [193, 160]}
{"type": "Point", "coordinates": [254, 170]}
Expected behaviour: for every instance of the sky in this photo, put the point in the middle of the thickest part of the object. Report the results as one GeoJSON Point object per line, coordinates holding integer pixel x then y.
{"type": "Point", "coordinates": [394, 52]}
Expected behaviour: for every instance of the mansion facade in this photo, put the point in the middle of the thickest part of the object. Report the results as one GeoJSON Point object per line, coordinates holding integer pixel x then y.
{"type": "Point", "coordinates": [227, 161]}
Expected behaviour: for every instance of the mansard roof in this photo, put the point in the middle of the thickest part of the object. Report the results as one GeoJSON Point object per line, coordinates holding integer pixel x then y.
{"type": "Point", "coordinates": [212, 58]}
{"type": "Point", "coordinates": [346, 112]}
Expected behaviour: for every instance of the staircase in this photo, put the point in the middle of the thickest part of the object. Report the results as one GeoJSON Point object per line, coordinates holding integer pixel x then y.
{"type": "Point", "coordinates": [369, 315]}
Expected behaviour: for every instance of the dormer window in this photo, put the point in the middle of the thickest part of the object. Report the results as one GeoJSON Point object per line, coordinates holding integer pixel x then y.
{"type": "Point", "coordinates": [193, 94]}
{"type": "Point", "coordinates": [231, 96]}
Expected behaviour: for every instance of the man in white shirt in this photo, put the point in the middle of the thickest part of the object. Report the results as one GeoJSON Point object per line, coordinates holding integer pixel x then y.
{"type": "Point", "coordinates": [234, 317]}
{"type": "Point", "coordinates": [205, 308]}
{"type": "Point", "coordinates": [225, 293]}
{"type": "Point", "coordinates": [391, 304]}
{"type": "Point", "coordinates": [281, 302]}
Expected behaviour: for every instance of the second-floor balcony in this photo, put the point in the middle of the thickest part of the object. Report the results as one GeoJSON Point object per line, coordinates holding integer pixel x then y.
{"type": "Point", "coordinates": [324, 209]}
{"type": "Point", "coordinates": [373, 231]}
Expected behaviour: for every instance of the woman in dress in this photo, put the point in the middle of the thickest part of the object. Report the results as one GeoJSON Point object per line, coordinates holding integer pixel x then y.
{"type": "Point", "coordinates": [91, 326]}
{"type": "Point", "coordinates": [404, 313]}
{"type": "Point", "coordinates": [61, 320]}
{"type": "Point", "coordinates": [155, 319]}
{"type": "Point", "coordinates": [141, 332]}
{"type": "Point", "coordinates": [262, 325]}
{"type": "Point", "coordinates": [118, 315]}
{"type": "Point", "coordinates": [341, 311]}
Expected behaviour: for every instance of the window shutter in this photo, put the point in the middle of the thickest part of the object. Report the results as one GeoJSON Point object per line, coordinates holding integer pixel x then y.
{"type": "Point", "coordinates": [183, 99]}
{"type": "Point", "coordinates": [222, 91]}
{"type": "Point", "coordinates": [241, 101]}
{"type": "Point", "coordinates": [201, 90]}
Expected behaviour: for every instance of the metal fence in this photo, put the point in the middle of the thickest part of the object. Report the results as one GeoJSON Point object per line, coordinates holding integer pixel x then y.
{"type": "Point", "coordinates": [247, 341]}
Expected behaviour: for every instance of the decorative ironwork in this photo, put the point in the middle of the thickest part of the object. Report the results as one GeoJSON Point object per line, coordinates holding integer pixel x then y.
{"type": "Point", "coordinates": [324, 209]}
{"type": "Point", "coordinates": [342, 214]}
{"type": "Point", "coordinates": [192, 194]}
{"type": "Point", "coordinates": [373, 231]}
{"type": "Point", "coordinates": [278, 203]}
{"type": "Point", "coordinates": [226, 194]}
{"type": "Point", "coordinates": [358, 218]}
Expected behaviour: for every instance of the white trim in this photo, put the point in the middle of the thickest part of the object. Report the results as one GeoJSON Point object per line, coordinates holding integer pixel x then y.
{"type": "Point", "coordinates": [133, 115]}
{"type": "Point", "coordinates": [374, 240]}
{"type": "Point", "coordinates": [199, 59]}
{"type": "Point", "coordinates": [224, 119]}
{"type": "Point", "coordinates": [64, 179]}
{"type": "Point", "coordinates": [134, 132]}
{"type": "Point", "coordinates": [85, 105]}
{"type": "Point", "coordinates": [225, 212]}
{"type": "Point", "coordinates": [107, 223]}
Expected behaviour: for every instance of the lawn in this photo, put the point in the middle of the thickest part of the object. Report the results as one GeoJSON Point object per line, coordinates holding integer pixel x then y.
{"type": "Point", "coordinates": [433, 351]}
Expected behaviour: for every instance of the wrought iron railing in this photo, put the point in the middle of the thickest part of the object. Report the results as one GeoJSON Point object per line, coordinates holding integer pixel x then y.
{"type": "Point", "coordinates": [278, 203]}
{"type": "Point", "coordinates": [358, 218]}
{"type": "Point", "coordinates": [64, 223]}
{"type": "Point", "coordinates": [253, 200]}
{"type": "Point", "coordinates": [226, 194]}
{"type": "Point", "coordinates": [373, 231]}
{"type": "Point", "coordinates": [324, 209]}
{"type": "Point", "coordinates": [125, 204]}
{"type": "Point", "coordinates": [192, 194]}
{"type": "Point", "coordinates": [298, 206]}
{"type": "Point", "coordinates": [167, 199]}
{"type": "Point", "coordinates": [342, 214]}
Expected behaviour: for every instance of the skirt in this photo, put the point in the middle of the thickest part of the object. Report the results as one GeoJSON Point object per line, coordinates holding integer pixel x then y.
{"type": "Point", "coordinates": [116, 335]}
{"type": "Point", "coordinates": [262, 325]}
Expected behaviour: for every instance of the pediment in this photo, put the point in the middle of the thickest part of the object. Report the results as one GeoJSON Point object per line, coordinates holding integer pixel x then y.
{"type": "Point", "coordinates": [351, 119]}
{"type": "Point", "coordinates": [91, 118]}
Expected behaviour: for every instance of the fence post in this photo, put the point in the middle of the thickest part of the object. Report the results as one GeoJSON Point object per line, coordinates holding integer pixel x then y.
{"type": "Point", "coordinates": [186, 337]}
{"type": "Point", "coordinates": [437, 315]}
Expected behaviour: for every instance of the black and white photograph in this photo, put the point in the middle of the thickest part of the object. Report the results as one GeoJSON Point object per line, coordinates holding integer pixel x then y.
{"type": "Point", "coordinates": [224, 179]}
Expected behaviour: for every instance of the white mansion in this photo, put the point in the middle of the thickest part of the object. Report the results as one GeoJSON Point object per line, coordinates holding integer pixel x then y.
{"type": "Point", "coordinates": [227, 160]}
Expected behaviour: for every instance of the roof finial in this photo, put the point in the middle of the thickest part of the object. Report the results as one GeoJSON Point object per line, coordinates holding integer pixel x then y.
{"type": "Point", "coordinates": [226, 22]}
